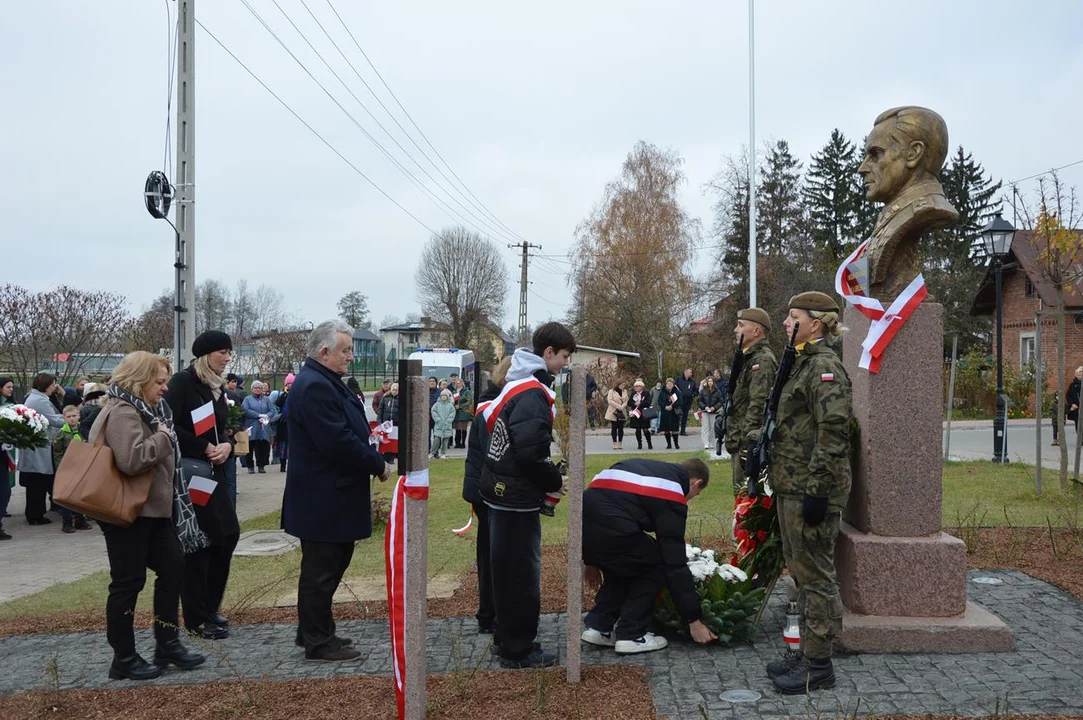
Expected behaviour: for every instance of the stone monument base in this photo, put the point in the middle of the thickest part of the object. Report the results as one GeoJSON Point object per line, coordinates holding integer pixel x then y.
{"type": "Point", "coordinates": [976, 630]}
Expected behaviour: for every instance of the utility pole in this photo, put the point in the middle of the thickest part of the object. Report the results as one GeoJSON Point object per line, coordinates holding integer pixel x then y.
{"type": "Point", "coordinates": [185, 182]}
{"type": "Point", "coordinates": [523, 284]}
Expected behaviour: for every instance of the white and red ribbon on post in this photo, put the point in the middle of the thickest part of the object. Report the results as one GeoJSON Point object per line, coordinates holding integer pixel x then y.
{"type": "Point", "coordinates": [851, 282]}
{"type": "Point", "coordinates": [414, 484]}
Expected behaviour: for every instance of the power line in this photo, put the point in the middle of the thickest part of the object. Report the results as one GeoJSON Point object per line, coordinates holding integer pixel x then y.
{"type": "Point", "coordinates": [1046, 172]}
{"type": "Point", "coordinates": [311, 129]}
{"type": "Point", "coordinates": [428, 193]}
{"type": "Point", "coordinates": [411, 119]}
{"type": "Point", "coordinates": [488, 226]}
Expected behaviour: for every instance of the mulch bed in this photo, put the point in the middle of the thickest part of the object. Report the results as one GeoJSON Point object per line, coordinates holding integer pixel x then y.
{"type": "Point", "coordinates": [1056, 559]}
{"type": "Point", "coordinates": [603, 694]}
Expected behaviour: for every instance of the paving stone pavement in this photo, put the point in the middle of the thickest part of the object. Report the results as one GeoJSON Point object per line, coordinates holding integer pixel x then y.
{"type": "Point", "coordinates": [1043, 675]}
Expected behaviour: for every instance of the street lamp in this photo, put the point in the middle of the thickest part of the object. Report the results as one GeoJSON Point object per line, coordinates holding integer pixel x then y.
{"type": "Point", "coordinates": [997, 237]}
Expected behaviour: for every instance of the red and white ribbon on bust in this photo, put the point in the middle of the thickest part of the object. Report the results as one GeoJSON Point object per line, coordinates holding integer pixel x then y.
{"type": "Point", "coordinates": [414, 484]}
{"type": "Point", "coordinates": [851, 282]}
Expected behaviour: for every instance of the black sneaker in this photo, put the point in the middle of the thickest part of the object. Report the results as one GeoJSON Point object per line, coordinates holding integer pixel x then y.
{"type": "Point", "coordinates": [331, 653]}
{"type": "Point", "coordinates": [806, 677]}
{"type": "Point", "coordinates": [786, 663]}
{"type": "Point", "coordinates": [537, 658]}
{"type": "Point", "coordinates": [344, 642]}
{"type": "Point", "coordinates": [40, 521]}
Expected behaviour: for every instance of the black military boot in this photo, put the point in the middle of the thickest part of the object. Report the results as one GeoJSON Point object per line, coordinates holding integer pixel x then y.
{"type": "Point", "coordinates": [806, 677]}
{"type": "Point", "coordinates": [783, 665]}
{"type": "Point", "coordinates": [173, 652]}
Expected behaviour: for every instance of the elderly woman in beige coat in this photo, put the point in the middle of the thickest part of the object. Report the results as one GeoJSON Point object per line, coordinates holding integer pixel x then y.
{"type": "Point", "coordinates": [616, 411]}
{"type": "Point", "coordinates": [137, 425]}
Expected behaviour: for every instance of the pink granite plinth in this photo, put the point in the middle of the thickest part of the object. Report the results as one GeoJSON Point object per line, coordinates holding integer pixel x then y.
{"type": "Point", "coordinates": [904, 576]}
{"type": "Point", "coordinates": [897, 471]}
{"type": "Point", "coordinates": [973, 631]}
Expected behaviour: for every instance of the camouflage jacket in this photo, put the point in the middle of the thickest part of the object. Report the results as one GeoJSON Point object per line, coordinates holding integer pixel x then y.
{"type": "Point", "coordinates": [753, 387]}
{"type": "Point", "coordinates": [810, 454]}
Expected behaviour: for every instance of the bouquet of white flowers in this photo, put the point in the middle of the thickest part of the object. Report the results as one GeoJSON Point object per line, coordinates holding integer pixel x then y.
{"type": "Point", "coordinates": [23, 427]}
{"type": "Point", "coordinates": [728, 602]}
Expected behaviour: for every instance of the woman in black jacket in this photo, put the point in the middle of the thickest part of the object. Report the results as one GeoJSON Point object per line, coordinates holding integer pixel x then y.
{"type": "Point", "coordinates": [639, 401]}
{"type": "Point", "coordinates": [389, 412]}
{"type": "Point", "coordinates": [476, 444]}
{"type": "Point", "coordinates": [669, 405]}
{"type": "Point", "coordinates": [207, 571]}
{"type": "Point", "coordinates": [282, 438]}
{"type": "Point", "coordinates": [710, 402]}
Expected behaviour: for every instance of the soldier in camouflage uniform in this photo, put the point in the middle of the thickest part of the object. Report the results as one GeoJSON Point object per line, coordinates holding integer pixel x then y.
{"type": "Point", "coordinates": [753, 387]}
{"type": "Point", "coordinates": [810, 475]}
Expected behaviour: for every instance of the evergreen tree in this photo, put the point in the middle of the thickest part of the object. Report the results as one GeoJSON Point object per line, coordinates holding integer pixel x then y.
{"type": "Point", "coordinates": [832, 199]}
{"type": "Point", "coordinates": [779, 212]}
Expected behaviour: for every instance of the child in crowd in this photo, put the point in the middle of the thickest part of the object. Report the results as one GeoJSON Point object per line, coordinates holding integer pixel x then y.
{"type": "Point", "coordinates": [68, 434]}
{"type": "Point", "coordinates": [443, 418]}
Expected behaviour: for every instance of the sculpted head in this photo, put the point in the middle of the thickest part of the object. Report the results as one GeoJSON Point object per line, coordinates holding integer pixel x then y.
{"type": "Point", "coordinates": [907, 145]}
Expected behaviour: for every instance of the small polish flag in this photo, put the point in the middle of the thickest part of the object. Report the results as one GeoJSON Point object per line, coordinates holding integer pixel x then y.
{"type": "Point", "coordinates": [203, 418]}
{"type": "Point", "coordinates": [827, 377]}
{"type": "Point", "coordinates": [200, 489]}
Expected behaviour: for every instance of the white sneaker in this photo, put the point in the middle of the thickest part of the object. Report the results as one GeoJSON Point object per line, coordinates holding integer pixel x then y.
{"type": "Point", "coordinates": [596, 637]}
{"type": "Point", "coordinates": [647, 643]}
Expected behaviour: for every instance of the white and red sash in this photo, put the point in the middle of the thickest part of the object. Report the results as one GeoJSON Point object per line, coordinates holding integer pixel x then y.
{"type": "Point", "coordinates": [851, 281]}
{"type": "Point", "coordinates": [384, 436]}
{"type": "Point", "coordinates": [414, 484]}
{"type": "Point", "coordinates": [513, 388]}
{"type": "Point", "coordinates": [470, 521]}
{"type": "Point", "coordinates": [645, 485]}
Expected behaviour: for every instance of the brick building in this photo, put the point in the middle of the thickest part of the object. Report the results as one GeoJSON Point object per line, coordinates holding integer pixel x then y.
{"type": "Point", "coordinates": [1025, 293]}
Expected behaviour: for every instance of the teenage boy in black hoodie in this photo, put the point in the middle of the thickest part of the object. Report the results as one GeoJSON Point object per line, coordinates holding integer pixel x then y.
{"type": "Point", "coordinates": [514, 480]}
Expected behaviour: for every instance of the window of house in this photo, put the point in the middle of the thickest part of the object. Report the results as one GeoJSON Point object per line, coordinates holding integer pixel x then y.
{"type": "Point", "coordinates": [1028, 288]}
{"type": "Point", "coordinates": [1026, 349]}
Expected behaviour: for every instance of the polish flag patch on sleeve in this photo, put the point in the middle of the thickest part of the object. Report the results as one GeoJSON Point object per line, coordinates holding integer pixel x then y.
{"type": "Point", "coordinates": [827, 377]}
{"type": "Point", "coordinates": [756, 366]}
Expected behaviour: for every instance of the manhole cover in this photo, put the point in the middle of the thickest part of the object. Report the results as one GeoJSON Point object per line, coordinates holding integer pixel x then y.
{"type": "Point", "coordinates": [988, 581]}
{"type": "Point", "coordinates": [740, 696]}
{"type": "Point", "coordinates": [261, 543]}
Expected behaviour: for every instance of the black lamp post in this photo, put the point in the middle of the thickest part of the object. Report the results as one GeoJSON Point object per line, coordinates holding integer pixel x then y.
{"type": "Point", "coordinates": [997, 237]}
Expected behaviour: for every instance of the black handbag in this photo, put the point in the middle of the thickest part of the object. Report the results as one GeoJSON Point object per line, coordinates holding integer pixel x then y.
{"type": "Point", "coordinates": [649, 413]}
{"type": "Point", "coordinates": [194, 467]}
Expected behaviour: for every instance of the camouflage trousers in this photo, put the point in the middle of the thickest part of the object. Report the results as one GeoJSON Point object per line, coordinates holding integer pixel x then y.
{"type": "Point", "coordinates": [809, 553]}
{"type": "Point", "coordinates": [738, 474]}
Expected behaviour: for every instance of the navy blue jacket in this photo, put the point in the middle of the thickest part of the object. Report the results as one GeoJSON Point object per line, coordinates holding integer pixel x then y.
{"type": "Point", "coordinates": [477, 443]}
{"type": "Point", "coordinates": [327, 479]}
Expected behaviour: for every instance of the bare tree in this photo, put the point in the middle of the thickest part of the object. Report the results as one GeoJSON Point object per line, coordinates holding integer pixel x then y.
{"type": "Point", "coordinates": [1060, 263]}
{"type": "Point", "coordinates": [389, 321]}
{"type": "Point", "coordinates": [214, 308]}
{"type": "Point", "coordinates": [461, 279]}
{"type": "Point", "coordinates": [243, 309]}
{"type": "Point", "coordinates": [153, 329]}
{"type": "Point", "coordinates": [281, 352]}
{"type": "Point", "coordinates": [268, 310]}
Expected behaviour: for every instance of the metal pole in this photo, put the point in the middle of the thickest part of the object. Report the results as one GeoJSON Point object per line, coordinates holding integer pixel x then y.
{"type": "Point", "coordinates": [1038, 389]}
{"type": "Point", "coordinates": [951, 392]}
{"type": "Point", "coordinates": [413, 456]}
{"type": "Point", "coordinates": [577, 467]}
{"type": "Point", "coordinates": [751, 154]}
{"type": "Point", "coordinates": [185, 178]}
{"type": "Point", "coordinates": [1000, 421]}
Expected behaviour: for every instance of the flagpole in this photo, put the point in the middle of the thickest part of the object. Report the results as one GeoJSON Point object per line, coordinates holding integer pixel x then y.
{"type": "Point", "coordinates": [751, 155]}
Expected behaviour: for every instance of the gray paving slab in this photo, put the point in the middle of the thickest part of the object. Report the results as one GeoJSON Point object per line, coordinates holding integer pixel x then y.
{"type": "Point", "coordinates": [1043, 675]}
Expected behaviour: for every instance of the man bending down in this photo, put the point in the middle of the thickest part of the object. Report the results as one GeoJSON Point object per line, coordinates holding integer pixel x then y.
{"type": "Point", "coordinates": [620, 507]}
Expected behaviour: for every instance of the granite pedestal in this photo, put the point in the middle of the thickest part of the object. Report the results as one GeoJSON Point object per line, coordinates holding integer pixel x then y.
{"type": "Point", "coordinates": [902, 580]}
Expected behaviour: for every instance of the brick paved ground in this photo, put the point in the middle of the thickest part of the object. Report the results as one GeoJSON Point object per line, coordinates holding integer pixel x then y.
{"type": "Point", "coordinates": [1044, 675]}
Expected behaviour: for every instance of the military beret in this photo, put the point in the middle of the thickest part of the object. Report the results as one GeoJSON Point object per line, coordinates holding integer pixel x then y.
{"type": "Point", "coordinates": [757, 316]}
{"type": "Point", "coordinates": [814, 301]}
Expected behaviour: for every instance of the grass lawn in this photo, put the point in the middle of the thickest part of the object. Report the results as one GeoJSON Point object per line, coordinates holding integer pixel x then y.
{"type": "Point", "coordinates": [975, 493]}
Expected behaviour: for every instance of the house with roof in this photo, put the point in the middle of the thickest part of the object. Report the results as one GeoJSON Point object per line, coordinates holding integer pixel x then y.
{"type": "Point", "coordinates": [402, 339]}
{"type": "Point", "coordinates": [368, 353]}
{"type": "Point", "coordinates": [1024, 293]}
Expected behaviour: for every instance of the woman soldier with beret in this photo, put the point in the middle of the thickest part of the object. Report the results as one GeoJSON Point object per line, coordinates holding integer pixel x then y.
{"type": "Point", "coordinates": [810, 474]}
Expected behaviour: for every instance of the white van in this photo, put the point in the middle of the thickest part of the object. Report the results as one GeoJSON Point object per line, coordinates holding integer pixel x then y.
{"type": "Point", "coordinates": [441, 362]}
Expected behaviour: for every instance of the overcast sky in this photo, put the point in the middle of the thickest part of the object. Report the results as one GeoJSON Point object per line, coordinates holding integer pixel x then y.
{"type": "Point", "coordinates": [533, 107]}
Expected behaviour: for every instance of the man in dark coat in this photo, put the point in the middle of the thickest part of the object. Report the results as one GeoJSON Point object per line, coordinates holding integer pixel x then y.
{"type": "Point", "coordinates": [326, 502]}
{"type": "Point", "coordinates": [621, 506]}
{"type": "Point", "coordinates": [689, 389]}
{"type": "Point", "coordinates": [476, 445]}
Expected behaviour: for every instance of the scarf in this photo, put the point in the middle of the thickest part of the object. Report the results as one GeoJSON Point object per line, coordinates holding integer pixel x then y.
{"type": "Point", "coordinates": [191, 537]}
{"type": "Point", "coordinates": [209, 377]}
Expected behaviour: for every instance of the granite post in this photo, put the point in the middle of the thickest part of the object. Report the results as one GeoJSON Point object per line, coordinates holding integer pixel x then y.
{"type": "Point", "coordinates": [902, 580]}
{"type": "Point", "coordinates": [577, 468]}
{"type": "Point", "coordinates": [413, 456]}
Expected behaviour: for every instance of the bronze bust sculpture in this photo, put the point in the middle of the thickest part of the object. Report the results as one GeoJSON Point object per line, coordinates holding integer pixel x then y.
{"type": "Point", "coordinates": [903, 157]}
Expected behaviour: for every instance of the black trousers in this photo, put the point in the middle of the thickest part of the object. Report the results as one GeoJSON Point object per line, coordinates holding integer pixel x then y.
{"type": "Point", "coordinates": [37, 486]}
{"type": "Point", "coordinates": [486, 614]}
{"type": "Point", "coordinates": [206, 573]}
{"type": "Point", "coordinates": [515, 555]}
{"type": "Point", "coordinates": [260, 451]}
{"type": "Point", "coordinates": [322, 567]}
{"type": "Point", "coordinates": [616, 430]}
{"type": "Point", "coordinates": [633, 574]}
{"type": "Point", "coordinates": [146, 543]}
{"type": "Point", "coordinates": [685, 407]}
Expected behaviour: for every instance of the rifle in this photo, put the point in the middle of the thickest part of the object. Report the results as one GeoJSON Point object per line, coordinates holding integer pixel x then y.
{"type": "Point", "coordinates": [722, 421]}
{"type": "Point", "coordinates": [759, 455]}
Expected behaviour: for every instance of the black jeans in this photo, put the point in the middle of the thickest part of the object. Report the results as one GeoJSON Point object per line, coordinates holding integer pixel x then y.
{"type": "Point", "coordinates": [686, 405]}
{"type": "Point", "coordinates": [486, 614]}
{"type": "Point", "coordinates": [146, 543]}
{"type": "Point", "coordinates": [260, 451]}
{"type": "Point", "coordinates": [206, 573]}
{"type": "Point", "coordinates": [37, 486]}
{"type": "Point", "coordinates": [633, 573]}
{"type": "Point", "coordinates": [322, 567]}
{"type": "Point", "coordinates": [515, 553]}
{"type": "Point", "coordinates": [616, 430]}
